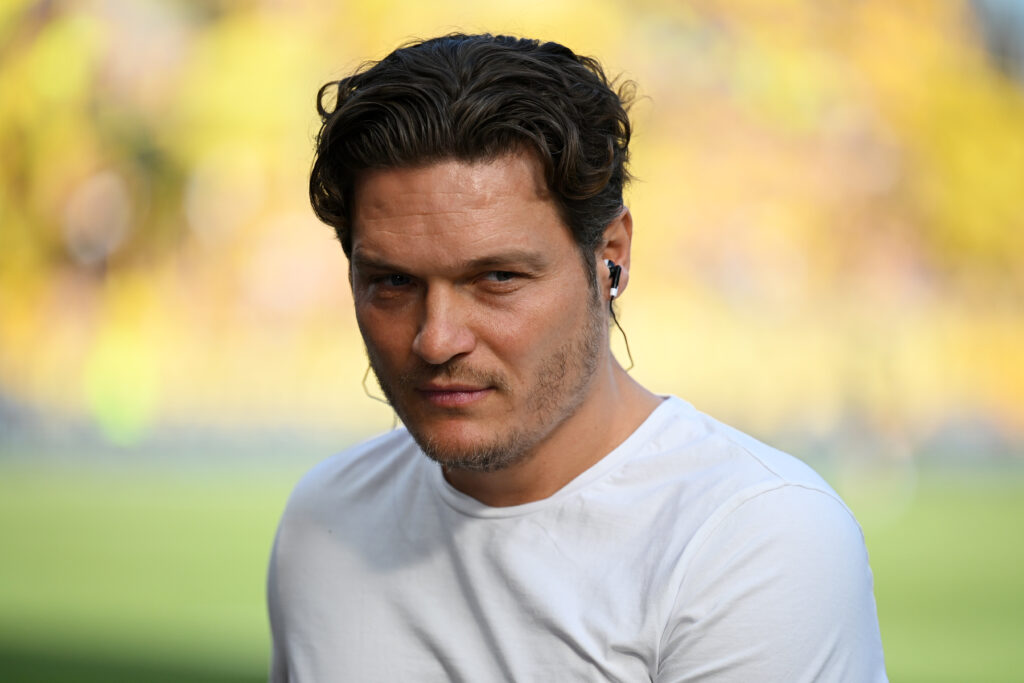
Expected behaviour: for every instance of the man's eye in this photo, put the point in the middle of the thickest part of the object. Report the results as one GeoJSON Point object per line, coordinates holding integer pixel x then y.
{"type": "Point", "coordinates": [500, 276]}
{"type": "Point", "coordinates": [394, 280]}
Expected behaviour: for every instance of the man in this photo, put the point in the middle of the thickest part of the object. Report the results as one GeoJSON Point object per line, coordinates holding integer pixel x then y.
{"type": "Point", "coordinates": [542, 516]}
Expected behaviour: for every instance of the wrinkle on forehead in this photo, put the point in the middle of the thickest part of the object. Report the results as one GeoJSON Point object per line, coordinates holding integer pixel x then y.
{"type": "Point", "coordinates": [472, 184]}
{"type": "Point", "coordinates": [432, 232]}
{"type": "Point", "coordinates": [381, 246]}
{"type": "Point", "coordinates": [452, 208]}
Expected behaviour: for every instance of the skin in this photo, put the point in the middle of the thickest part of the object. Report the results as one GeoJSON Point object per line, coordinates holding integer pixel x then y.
{"type": "Point", "coordinates": [482, 328]}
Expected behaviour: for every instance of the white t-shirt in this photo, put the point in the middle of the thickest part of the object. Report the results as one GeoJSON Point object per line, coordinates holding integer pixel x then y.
{"type": "Point", "coordinates": [691, 552]}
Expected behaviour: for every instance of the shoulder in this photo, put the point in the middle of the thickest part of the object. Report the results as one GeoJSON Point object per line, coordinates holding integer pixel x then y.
{"type": "Point", "coordinates": [774, 583]}
{"type": "Point", "coordinates": [705, 489]}
{"type": "Point", "coordinates": [742, 491]}
{"type": "Point", "coordinates": [804, 531]}
{"type": "Point", "coordinates": [343, 498]}
{"type": "Point", "coordinates": [779, 587]}
{"type": "Point", "coordinates": [712, 468]}
{"type": "Point", "coordinates": [359, 470]}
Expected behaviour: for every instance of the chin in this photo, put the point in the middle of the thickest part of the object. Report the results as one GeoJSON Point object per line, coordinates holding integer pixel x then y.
{"type": "Point", "coordinates": [476, 455]}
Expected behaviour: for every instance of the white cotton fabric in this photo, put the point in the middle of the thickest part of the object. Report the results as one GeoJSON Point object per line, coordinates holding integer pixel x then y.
{"type": "Point", "coordinates": [691, 552]}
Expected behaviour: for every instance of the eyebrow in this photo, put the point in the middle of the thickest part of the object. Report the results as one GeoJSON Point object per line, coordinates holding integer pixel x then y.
{"type": "Point", "coordinates": [361, 260]}
{"type": "Point", "coordinates": [528, 258]}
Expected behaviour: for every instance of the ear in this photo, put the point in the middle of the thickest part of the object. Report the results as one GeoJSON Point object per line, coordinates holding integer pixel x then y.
{"type": "Point", "coordinates": [618, 237]}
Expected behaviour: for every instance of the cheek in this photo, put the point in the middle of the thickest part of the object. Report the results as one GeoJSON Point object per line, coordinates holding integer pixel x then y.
{"type": "Point", "coordinates": [387, 336]}
{"type": "Point", "coordinates": [530, 334]}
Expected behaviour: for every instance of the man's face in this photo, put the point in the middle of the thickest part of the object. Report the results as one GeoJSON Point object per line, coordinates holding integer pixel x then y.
{"type": "Point", "coordinates": [478, 318]}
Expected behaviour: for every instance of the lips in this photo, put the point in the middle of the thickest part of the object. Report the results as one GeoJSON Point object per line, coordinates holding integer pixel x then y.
{"type": "Point", "coordinates": [453, 395]}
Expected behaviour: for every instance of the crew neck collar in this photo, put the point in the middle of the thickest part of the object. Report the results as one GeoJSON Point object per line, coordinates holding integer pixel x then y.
{"type": "Point", "coordinates": [472, 507]}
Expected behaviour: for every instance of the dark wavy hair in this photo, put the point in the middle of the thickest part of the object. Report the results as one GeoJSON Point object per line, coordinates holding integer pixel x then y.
{"type": "Point", "coordinates": [474, 98]}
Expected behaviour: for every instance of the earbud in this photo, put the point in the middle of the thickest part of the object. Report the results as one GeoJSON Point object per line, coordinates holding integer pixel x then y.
{"type": "Point", "coordinates": [615, 272]}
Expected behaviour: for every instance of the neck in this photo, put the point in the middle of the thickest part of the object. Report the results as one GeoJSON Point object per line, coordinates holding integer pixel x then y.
{"type": "Point", "coordinates": [615, 406]}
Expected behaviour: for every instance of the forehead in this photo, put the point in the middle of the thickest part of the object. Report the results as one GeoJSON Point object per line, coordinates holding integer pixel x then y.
{"type": "Point", "coordinates": [456, 209]}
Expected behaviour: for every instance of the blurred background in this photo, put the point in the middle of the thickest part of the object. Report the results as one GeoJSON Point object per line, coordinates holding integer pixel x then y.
{"type": "Point", "coordinates": [829, 254]}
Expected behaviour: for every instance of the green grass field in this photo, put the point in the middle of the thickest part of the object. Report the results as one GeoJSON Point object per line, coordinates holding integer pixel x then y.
{"type": "Point", "coordinates": [131, 574]}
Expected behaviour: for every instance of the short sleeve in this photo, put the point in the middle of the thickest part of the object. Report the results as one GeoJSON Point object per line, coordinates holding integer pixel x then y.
{"type": "Point", "coordinates": [777, 588]}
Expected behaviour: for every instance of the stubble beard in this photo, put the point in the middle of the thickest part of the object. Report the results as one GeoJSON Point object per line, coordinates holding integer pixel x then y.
{"type": "Point", "coordinates": [560, 386]}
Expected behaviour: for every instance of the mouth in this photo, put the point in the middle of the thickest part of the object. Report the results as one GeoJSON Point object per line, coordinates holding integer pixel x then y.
{"type": "Point", "coordinates": [453, 395]}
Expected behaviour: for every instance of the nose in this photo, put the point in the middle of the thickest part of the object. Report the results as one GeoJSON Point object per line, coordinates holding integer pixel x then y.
{"type": "Point", "coordinates": [444, 333]}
